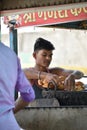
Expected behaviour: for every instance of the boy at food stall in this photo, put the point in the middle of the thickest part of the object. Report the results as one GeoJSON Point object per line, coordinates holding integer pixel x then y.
{"type": "Point", "coordinates": [41, 73]}
{"type": "Point", "coordinates": [12, 78]}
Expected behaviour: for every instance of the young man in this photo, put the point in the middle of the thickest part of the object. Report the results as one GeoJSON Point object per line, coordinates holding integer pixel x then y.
{"type": "Point", "coordinates": [43, 51]}
{"type": "Point", "coordinates": [12, 78]}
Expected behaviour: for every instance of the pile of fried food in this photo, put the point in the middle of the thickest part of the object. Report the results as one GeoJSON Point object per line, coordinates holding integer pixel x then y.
{"type": "Point", "coordinates": [79, 86]}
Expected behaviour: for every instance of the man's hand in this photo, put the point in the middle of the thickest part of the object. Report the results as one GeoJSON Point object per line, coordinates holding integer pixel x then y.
{"type": "Point", "coordinates": [19, 104]}
{"type": "Point", "coordinates": [51, 77]}
{"type": "Point", "coordinates": [69, 83]}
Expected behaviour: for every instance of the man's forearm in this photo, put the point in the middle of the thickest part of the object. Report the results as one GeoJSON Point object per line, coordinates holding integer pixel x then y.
{"type": "Point", "coordinates": [34, 74]}
{"type": "Point", "coordinates": [78, 74]}
{"type": "Point", "coordinates": [19, 104]}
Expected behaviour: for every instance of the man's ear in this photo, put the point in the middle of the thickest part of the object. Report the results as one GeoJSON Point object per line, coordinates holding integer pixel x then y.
{"type": "Point", "coordinates": [34, 55]}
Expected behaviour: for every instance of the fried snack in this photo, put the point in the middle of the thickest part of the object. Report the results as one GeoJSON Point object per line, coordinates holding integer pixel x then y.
{"type": "Point", "coordinates": [61, 82]}
{"type": "Point", "coordinates": [43, 83]}
{"type": "Point", "coordinates": [60, 85]}
{"type": "Point", "coordinates": [79, 86]}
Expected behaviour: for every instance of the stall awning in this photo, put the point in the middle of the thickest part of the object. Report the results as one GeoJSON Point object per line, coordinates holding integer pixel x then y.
{"type": "Point", "coordinates": [51, 15]}
{"type": "Point", "coordinates": [23, 4]}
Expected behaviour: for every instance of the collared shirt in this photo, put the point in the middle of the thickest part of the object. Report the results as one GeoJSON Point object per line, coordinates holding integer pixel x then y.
{"type": "Point", "coordinates": [11, 78]}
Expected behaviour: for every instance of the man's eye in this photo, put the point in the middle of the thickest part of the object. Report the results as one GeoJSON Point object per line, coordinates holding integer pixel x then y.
{"type": "Point", "coordinates": [44, 55]}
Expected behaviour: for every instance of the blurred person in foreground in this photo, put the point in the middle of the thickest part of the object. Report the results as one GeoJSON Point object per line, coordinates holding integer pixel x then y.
{"type": "Point", "coordinates": [12, 78]}
{"type": "Point", "coordinates": [41, 73]}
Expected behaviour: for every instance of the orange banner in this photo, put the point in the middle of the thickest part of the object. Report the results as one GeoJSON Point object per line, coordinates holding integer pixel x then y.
{"type": "Point", "coordinates": [48, 17]}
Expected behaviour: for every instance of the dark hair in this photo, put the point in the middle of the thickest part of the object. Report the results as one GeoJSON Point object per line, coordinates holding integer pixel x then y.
{"type": "Point", "coordinates": [41, 43]}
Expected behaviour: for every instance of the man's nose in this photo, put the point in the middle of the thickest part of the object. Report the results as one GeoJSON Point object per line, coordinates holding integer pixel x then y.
{"type": "Point", "coordinates": [48, 58]}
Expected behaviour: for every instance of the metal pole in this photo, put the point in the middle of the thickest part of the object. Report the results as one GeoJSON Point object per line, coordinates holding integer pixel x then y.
{"type": "Point", "coordinates": [13, 45]}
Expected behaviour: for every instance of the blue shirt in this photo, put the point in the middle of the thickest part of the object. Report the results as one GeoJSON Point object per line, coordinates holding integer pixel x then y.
{"type": "Point", "coordinates": [12, 77]}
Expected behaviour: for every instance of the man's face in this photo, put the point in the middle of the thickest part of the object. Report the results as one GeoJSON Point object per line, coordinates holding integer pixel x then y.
{"type": "Point", "coordinates": [43, 57]}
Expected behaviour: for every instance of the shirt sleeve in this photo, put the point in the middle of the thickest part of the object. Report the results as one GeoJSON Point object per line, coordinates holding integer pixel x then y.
{"type": "Point", "coordinates": [23, 85]}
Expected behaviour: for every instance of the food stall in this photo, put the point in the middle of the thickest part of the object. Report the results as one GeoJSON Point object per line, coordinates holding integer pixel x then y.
{"type": "Point", "coordinates": [46, 113]}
